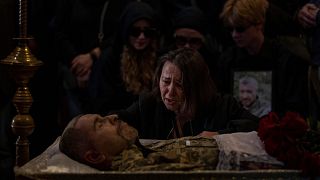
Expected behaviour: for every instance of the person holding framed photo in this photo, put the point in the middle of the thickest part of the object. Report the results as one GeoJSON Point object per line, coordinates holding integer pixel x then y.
{"type": "Point", "coordinates": [253, 51]}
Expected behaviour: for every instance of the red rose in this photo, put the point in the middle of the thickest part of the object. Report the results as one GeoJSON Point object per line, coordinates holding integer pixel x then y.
{"type": "Point", "coordinates": [266, 124]}
{"type": "Point", "coordinates": [293, 125]}
{"type": "Point", "coordinates": [282, 139]}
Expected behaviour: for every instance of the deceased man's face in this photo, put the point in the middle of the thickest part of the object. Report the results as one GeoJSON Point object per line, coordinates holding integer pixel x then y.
{"type": "Point", "coordinates": [109, 135]}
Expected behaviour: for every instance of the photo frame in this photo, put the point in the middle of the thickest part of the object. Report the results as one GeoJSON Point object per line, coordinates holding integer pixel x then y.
{"type": "Point", "coordinates": [253, 90]}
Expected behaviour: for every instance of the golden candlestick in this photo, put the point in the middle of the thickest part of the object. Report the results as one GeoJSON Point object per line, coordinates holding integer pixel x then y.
{"type": "Point", "coordinates": [21, 66]}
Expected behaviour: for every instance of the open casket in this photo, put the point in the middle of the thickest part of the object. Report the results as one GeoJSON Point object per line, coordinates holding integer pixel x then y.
{"type": "Point", "coordinates": [237, 147]}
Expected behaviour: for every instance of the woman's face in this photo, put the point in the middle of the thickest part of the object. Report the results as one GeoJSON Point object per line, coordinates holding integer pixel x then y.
{"type": "Point", "coordinates": [140, 34]}
{"type": "Point", "coordinates": [170, 85]}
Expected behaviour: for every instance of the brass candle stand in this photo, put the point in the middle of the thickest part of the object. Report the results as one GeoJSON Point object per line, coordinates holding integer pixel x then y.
{"type": "Point", "coordinates": [21, 66]}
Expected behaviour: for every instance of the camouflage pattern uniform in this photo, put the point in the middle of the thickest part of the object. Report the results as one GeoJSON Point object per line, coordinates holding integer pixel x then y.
{"type": "Point", "coordinates": [187, 153]}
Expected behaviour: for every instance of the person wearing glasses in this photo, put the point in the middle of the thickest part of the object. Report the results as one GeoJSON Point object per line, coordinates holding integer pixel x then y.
{"type": "Point", "coordinates": [127, 67]}
{"type": "Point", "coordinates": [253, 51]}
{"type": "Point", "coordinates": [191, 29]}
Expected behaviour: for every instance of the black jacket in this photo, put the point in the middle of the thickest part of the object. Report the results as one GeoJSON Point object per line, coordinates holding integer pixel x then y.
{"type": "Point", "coordinates": [77, 24]}
{"type": "Point", "coordinates": [224, 115]}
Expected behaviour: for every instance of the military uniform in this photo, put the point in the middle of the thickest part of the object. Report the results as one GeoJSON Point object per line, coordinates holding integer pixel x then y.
{"type": "Point", "coordinates": [187, 153]}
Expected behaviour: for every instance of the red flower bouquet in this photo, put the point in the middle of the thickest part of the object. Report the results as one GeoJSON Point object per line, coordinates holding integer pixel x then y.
{"type": "Point", "coordinates": [290, 140]}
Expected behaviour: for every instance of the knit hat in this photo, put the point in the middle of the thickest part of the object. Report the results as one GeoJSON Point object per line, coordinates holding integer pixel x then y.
{"type": "Point", "coordinates": [193, 18]}
{"type": "Point", "coordinates": [134, 12]}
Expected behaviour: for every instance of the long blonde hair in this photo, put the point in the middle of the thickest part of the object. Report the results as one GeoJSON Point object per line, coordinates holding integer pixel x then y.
{"type": "Point", "coordinates": [137, 68]}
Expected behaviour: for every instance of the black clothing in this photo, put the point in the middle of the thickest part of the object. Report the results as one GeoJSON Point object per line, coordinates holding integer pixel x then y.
{"type": "Point", "coordinates": [107, 90]}
{"type": "Point", "coordinates": [154, 121]}
{"type": "Point", "coordinates": [289, 74]}
{"type": "Point", "coordinates": [289, 6]}
{"type": "Point", "coordinates": [280, 23]}
{"type": "Point", "coordinates": [76, 31]}
{"type": "Point", "coordinates": [77, 25]}
{"type": "Point", "coordinates": [313, 36]}
{"type": "Point", "coordinates": [134, 12]}
{"type": "Point", "coordinates": [193, 18]}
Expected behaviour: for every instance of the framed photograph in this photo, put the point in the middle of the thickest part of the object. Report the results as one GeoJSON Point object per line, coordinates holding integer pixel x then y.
{"type": "Point", "coordinates": [253, 90]}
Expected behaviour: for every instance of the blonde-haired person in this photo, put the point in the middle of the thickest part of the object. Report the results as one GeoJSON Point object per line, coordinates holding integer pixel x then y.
{"type": "Point", "coordinates": [277, 21]}
{"type": "Point", "coordinates": [253, 51]}
{"type": "Point", "coordinates": [244, 12]}
{"type": "Point", "coordinates": [242, 17]}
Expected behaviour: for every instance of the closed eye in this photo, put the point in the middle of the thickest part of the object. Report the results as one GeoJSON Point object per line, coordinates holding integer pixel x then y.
{"type": "Point", "coordinates": [99, 123]}
{"type": "Point", "coordinates": [166, 80]}
{"type": "Point", "coordinates": [179, 84]}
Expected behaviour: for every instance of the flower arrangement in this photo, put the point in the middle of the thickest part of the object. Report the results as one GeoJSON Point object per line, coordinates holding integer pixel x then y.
{"type": "Point", "coordinates": [289, 139]}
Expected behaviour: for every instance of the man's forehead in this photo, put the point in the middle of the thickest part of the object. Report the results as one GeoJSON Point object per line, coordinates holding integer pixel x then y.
{"type": "Point", "coordinates": [84, 121]}
{"type": "Point", "coordinates": [90, 118]}
{"type": "Point", "coordinates": [73, 123]}
{"type": "Point", "coordinates": [112, 116]}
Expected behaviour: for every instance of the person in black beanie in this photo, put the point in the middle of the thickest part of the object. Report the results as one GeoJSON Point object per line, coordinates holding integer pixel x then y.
{"type": "Point", "coordinates": [191, 29]}
{"type": "Point", "coordinates": [126, 68]}
{"type": "Point", "coordinates": [191, 18]}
